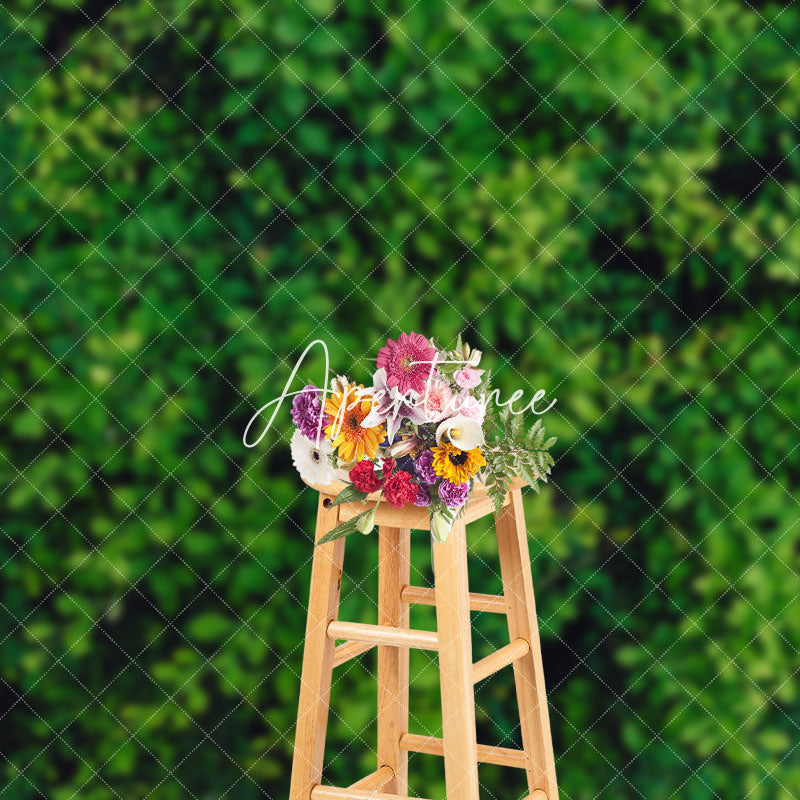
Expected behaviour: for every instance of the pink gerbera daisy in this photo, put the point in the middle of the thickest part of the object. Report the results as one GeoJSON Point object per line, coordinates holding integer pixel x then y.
{"type": "Point", "coordinates": [405, 362]}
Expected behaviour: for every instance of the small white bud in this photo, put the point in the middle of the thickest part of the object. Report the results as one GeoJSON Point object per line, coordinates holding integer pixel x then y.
{"type": "Point", "coordinates": [440, 528]}
{"type": "Point", "coordinates": [474, 358]}
{"type": "Point", "coordinates": [339, 384]}
{"type": "Point", "coordinates": [366, 523]}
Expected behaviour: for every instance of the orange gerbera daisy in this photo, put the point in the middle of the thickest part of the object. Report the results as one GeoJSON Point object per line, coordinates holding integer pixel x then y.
{"type": "Point", "coordinates": [347, 410]}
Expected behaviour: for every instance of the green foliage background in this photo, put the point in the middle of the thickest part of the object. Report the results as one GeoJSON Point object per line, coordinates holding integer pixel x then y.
{"type": "Point", "coordinates": [604, 198]}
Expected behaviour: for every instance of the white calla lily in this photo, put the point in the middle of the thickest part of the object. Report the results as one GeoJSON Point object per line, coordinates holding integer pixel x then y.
{"type": "Point", "coordinates": [463, 432]}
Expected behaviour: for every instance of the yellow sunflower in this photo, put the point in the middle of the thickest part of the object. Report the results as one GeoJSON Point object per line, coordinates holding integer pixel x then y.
{"type": "Point", "coordinates": [347, 410]}
{"type": "Point", "coordinates": [456, 466]}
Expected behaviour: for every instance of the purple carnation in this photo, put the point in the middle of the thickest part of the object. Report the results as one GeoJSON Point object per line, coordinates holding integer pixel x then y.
{"type": "Point", "coordinates": [307, 410]}
{"type": "Point", "coordinates": [454, 495]}
{"type": "Point", "coordinates": [423, 496]}
{"type": "Point", "coordinates": [423, 466]}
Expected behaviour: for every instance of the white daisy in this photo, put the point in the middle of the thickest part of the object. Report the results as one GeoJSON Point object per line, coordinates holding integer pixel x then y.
{"type": "Point", "coordinates": [312, 462]}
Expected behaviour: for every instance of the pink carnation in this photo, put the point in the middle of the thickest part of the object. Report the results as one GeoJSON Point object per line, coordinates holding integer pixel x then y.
{"type": "Point", "coordinates": [436, 403]}
{"type": "Point", "coordinates": [469, 406]}
{"type": "Point", "coordinates": [408, 362]}
{"type": "Point", "coordinates": [468, 377]}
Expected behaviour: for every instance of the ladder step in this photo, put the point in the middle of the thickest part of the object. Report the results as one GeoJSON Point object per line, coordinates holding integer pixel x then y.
{"type": "Point", "coordinates": [519, 648]}
{"type": "Point", "coordinates": [344, 652]}
{"type": "Point", "coordinates": [334, 793]}
{"type": "Point", "coordinates": [375, 781]}
{"type": "Point", "coordinates": [383, 634]}
{"type": "Point", "coordinates": [503, 756]}
{"type": "Point", "coordinates": [421, 595]}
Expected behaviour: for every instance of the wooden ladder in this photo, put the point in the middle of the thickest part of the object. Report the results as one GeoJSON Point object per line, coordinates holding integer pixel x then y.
{"type": "Point", "coordinates": [393, 637]}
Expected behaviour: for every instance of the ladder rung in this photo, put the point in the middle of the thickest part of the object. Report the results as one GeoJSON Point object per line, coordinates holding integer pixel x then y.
{"type": "Point", "coordinates": [344, 652]}
{"type": "Point", "coordinates": [504, 756]}
{"type": "Point", "coordinates": [375, 781]}
{"type": "Point", "coordinates": [519, 648]}
{"type": "Point", "coordinates": [421, 595]}
{"type": "Point", "coordinates": [334, 793]}
{"type": "Point", "coordinates": [383, 634]}
{"type": "Point", "coordinates": [537, 794]}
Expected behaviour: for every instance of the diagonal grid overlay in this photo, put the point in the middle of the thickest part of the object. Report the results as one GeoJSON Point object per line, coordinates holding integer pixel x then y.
{"type": "Point", "coordinates": [613, 265]}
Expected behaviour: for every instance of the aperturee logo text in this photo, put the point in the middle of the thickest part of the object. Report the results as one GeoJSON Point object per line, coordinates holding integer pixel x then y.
{"type": "Point", "coordinates": [428, 428]}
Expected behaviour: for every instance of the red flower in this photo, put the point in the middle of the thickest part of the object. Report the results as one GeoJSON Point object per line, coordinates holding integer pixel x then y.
{"type": "Point", "coordinates": [388, 466]}
{"type": "Point", "coordinates": [364, 478]}
{"type": "Point", "coordinates": [399, 490]}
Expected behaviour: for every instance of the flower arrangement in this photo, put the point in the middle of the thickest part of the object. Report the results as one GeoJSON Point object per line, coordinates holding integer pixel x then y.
{"type": "Point", "coordinates": [420, 435]}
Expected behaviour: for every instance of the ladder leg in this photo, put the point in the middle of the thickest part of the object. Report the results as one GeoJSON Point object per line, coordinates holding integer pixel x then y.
{"type": "Point", "coordinates": [315, 683]}
{"type": "Point", "coordinates": [455, 665]}
{"type": "Point", "coordinates": [394, 572]}
{"type": "Point", "coordinates": [512, 543]}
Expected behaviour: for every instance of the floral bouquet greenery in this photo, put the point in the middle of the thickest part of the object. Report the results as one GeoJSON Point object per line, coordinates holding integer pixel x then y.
{"type": "Point", "coordinates": [420, 435]}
